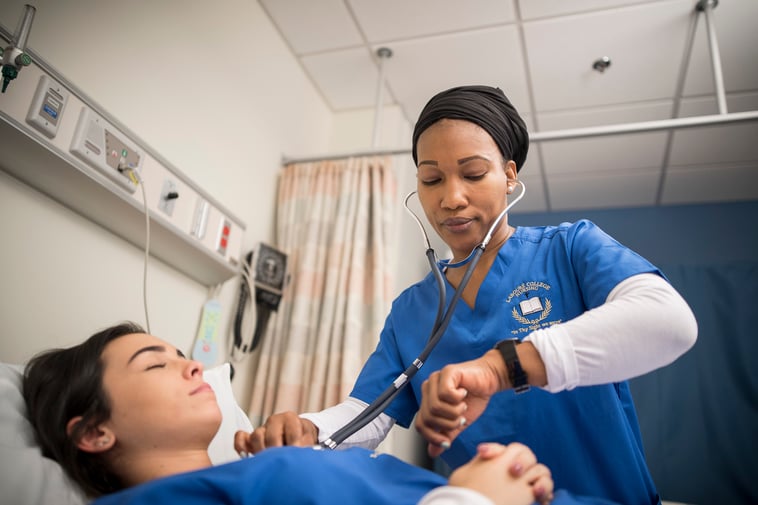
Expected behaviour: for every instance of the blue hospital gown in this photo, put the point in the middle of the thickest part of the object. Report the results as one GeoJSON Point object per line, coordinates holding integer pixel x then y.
{"type": "Point", "coordinates": [297, 476]}
{"type": "Point", "coordinates": [589, 436]}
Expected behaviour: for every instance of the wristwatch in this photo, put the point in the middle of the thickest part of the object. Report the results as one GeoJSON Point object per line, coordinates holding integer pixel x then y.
{"type": "Point", "coordinates": [516, 375]}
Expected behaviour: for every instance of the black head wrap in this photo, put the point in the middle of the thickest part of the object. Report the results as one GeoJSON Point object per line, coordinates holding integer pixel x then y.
{"type": "Point", "coordinates": [485, 106]}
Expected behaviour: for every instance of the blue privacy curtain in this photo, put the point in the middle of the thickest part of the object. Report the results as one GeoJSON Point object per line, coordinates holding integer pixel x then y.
{"type": "Point", "coordinates": [699, 415]}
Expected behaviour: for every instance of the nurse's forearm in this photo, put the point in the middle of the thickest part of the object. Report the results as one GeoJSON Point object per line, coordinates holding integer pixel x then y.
{"type": "Point", "coordinates": [329, 420]}
{"type": "Point", "coordinates": [644, 325]}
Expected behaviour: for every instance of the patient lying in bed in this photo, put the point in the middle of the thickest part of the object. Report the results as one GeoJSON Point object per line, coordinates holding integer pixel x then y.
{"type": "Point", "coordinates": [130, 421]}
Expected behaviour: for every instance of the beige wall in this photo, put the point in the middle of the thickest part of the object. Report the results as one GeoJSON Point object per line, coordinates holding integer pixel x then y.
{"type": "Point", "coordinates": [211, 89]}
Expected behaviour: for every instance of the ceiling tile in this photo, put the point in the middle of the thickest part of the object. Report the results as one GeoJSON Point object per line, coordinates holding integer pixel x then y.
{"type": "Point", "coordinates": [419, 68]}
{"type": "Point", "coordinates": [346, 78]}
{"type": "Point", "coordinates": [644, 42]}
{"type": "Point", "coordinates": [716, 144]}
{"type": "Point", "coordinates": [607, 155]}
{"type": "Point", "coordinates": [438, 44]}
{"type": "Point", "coordinates": [709, 183]}
{"type": "Point", "coordinates": [310, 27]}
{"type": "Point", "coordinates": [390, 20]}
{"type": "Point", "coordinates": [737, 40]}
{"type": "Point", "coordinates": [618, 153]}
{"type": "Point", "coordinates": [602, 190]}
{"type": "Point", "coordinates": [534, 9]}
{"type": "Point", "coordinates": [604, 116]}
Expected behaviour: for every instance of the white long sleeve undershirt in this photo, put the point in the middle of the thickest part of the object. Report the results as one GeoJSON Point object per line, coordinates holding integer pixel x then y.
{"type": "Point", "coordinates": [332, 419]}
{"type": "Point", "coordinates": [644, 325]}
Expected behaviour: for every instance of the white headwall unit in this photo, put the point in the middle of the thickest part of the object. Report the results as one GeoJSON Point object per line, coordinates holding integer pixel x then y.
{"type": "Point", "coordinates": [71, 163]}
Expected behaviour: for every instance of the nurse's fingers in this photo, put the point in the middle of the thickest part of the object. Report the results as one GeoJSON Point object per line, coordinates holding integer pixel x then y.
{"type": "Point", "coordinates": [242, 443]}
{"type": "Point", "coordinates": [300, 432]}
{"type": "Point", "coordinates": [291, 430]}
{"type": "Point", "coordinates": [441, 413]}
{"type": "Point", "coordinates": [257, 440]}
{"type": "Point", "coordinates": [275, 430]}
{"type": "Point", "coordinates": [447, 383]}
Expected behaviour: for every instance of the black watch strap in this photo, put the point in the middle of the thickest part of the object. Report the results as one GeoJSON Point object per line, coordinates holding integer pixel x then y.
{"type": "Point", "coordinates": [516, 374]}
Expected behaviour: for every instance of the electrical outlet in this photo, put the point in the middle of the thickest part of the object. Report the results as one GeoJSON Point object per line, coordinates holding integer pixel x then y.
{"type": "Point", "coordinates": [168, 198]}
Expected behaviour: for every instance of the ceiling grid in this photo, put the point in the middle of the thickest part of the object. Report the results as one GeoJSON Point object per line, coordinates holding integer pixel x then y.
{"type": "Point", "coordinates": [541, 53]}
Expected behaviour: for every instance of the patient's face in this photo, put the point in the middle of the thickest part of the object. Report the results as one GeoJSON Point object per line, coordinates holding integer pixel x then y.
{"type": "Point", "coordinates": [158, 397]}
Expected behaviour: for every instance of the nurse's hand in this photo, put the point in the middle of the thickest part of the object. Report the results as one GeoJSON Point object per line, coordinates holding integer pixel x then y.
{"type": "Point", "coordinates": [286, 428]}
{"type": "Point", "coordinates": [454, 397]}
{"type": "Point", "coordinates": [490, 473]}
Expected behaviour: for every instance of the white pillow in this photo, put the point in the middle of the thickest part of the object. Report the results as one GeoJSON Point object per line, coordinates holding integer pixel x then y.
{"type": "Point", "coordinates": [233, 418]}
{"type": "Point", "coordinates": [28, 478]}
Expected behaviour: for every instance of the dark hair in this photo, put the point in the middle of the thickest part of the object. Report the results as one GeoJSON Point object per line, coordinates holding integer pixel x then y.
{"type": "Point", "coordinates": [485, 106]}
{"type": "Point", "coordinates": [61, 384]}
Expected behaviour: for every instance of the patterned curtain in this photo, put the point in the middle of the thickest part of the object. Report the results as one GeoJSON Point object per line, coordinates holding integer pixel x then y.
{"type": "Point", "coordinates": [334, 220]}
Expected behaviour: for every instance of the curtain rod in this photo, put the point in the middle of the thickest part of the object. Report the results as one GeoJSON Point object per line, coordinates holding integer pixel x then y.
{"type": "Point", "coordinates": [574, 133]}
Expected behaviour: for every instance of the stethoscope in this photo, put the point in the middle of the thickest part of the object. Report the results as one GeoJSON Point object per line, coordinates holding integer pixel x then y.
{"type": "Point", "coordinates": [441, 322]}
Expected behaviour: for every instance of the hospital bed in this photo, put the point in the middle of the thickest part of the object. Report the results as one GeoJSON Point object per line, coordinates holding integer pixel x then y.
{"type": "Point", "coordinates": [28, 478]}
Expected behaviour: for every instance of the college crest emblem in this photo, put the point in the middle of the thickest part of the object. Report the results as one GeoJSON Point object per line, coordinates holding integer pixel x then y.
{"type": "Point", "coordinates": [531, 304]}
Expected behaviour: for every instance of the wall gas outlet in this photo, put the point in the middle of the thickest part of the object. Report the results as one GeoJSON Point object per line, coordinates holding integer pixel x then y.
{"type": "Point", "coordinates": [106, 149]}
{"type": "Point", "coordinates": [47, 106]}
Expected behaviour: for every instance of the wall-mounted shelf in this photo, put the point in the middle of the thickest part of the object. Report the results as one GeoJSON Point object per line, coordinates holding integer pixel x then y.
{"type": "Point", "coordinates": [63, 151]}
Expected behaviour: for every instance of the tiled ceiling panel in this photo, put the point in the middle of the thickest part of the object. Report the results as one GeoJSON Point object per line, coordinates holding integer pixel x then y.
{"type": "Point", "coordinates": [737, 39]}
{"type": "Point", "coordinates": [618, 153]}
{"type": "Point", "coordinates": [347, 78]}
{"type": "Point", "coordinates": [390, 20]}
{"type": "Point", "coordinates": [311, 27]}
{"type": "Point", "coordinates": [599, 191]}
{"type": "Point", "coordinates": [644, 43]}
{"type": "Point", "coordinates": [440, 62]}
{"type": "Point", "coordinates": [737, 143]}
{"type": "Point", "coordinates": [540, 52]}
{"type": "Point", "coordinates": [710, 184]}
{"type": "Point", "coordinates": [535, 9]}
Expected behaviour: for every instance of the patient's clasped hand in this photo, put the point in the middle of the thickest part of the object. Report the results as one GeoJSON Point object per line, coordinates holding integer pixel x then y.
{"type": "Point", "coordinates": [129, 419]}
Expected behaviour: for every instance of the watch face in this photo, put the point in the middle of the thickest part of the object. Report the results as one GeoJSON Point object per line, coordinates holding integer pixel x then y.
{"type": "Point", "coordinates": [270, 268]}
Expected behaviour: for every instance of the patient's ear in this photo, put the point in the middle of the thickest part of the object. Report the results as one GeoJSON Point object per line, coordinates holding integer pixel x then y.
{"type": "Point", "coordinates": [94, 439]}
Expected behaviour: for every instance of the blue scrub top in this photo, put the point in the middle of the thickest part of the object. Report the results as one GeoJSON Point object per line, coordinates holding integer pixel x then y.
{"type": "Point", "coordinates": [589, 436]}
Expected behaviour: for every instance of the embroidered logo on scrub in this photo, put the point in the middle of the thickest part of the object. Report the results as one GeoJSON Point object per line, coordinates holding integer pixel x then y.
{"type": "Point", "coordinates": [531, 306]}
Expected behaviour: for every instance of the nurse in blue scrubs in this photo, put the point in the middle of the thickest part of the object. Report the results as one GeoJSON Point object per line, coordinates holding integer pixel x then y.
{"type": "Point", "coordinates": [553, 322]}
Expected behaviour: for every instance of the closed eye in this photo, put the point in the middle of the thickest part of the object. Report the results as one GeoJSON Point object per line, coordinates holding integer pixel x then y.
{"type": "Point", "coordinates": [478, 177]}
{"type": "Point", "coordinates": [429, 182]}
{"type": "Point", "coordinates": [157, 365]}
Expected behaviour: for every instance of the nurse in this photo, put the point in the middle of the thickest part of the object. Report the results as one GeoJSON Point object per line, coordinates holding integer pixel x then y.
{"type": "Point", "coordinates": [553, 322]}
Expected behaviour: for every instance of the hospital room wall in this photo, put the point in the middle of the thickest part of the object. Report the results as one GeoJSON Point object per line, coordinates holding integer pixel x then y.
{"type": "Point", "coordinates": [211, 88]}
